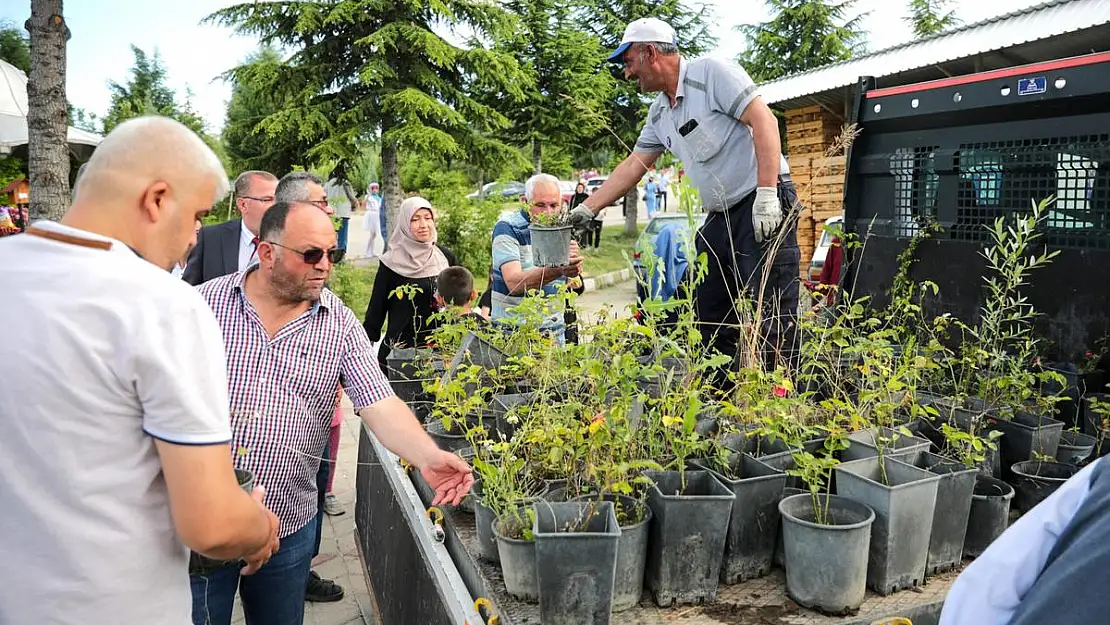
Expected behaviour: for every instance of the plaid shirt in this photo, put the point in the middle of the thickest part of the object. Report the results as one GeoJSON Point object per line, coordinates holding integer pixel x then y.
{"type": "Point", "coordinates": [282, 390]}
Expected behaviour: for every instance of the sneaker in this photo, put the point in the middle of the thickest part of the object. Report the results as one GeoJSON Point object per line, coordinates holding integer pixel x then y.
{"type": "Point", "coordinates": [332, 507]}
{"type": "Point", "coordinates": [320, 590]}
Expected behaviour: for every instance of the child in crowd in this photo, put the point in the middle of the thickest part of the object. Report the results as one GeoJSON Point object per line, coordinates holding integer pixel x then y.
{"type": "Point", "coordinates": [455, 288]}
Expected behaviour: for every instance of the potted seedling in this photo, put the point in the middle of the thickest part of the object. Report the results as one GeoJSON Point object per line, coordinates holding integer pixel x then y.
{"type": "Point", "coordinates": [459, 405]}
{"type": "Point", "coordinates": [551, 236]}
{"type": "Point", "coordinates": [576, 556]}
{"type": "Point", "coordinates": [825, 540]}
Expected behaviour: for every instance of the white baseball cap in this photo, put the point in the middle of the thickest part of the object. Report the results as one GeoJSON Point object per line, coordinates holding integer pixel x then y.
{"type": "Point", "coordinates": [645, 30]}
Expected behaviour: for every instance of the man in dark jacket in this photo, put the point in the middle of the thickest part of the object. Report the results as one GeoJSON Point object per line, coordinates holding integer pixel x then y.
{"type": "Point", "coordinates": [228, 247]}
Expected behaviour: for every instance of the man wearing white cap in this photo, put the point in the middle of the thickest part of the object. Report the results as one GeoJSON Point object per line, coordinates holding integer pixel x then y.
{"type": "Point", "coordinates": [709, 114]}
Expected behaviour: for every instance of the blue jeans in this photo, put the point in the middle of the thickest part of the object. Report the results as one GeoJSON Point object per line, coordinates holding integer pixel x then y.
{"type": "Point", "coordinates": [272, 596]}
{"type": "Point", "coordinates": [344, 226]}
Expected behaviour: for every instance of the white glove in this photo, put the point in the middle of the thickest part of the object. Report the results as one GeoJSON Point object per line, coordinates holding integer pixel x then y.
{"type": "Point", "coordinates": [580, 216]}
{"type": "Point", "coordinates": [766, 213]}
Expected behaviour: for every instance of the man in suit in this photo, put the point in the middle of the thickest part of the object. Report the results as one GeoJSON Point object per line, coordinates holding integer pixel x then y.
{"type": "Point", "coordinates": [229, 247]}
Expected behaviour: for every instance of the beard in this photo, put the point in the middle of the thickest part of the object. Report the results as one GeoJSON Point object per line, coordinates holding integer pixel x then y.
{"type": "Point", "coordinates": [293, 289]}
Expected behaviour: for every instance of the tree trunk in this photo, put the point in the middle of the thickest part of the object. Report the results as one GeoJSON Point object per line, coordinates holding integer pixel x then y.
{"type": "Point", "coordinates": [537, 156]}
{"type": "Point", "coordinates": [632, 204]}
{"type": "Point", "coordinates": [47, 150]}
{"type": "Point", "coordinates": [391, 186]}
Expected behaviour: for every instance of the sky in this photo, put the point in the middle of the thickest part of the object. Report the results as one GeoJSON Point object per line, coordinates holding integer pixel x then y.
{"type": "Point", "coordinates": [195, 55]}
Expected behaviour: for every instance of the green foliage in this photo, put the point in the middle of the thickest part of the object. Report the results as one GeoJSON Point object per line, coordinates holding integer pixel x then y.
{"type": "Point", "coordinates": [928, 17]}
{"type": "Point", "coordinates": [11, 168]}
{"type": "Point", "coordinates": [353, 285]}
{"type": "Point", "coordinates": [15, 46]}
{"type": "Point", "coordinates": [802, 35]}
{"type": "Point", "coordinates": [146, 93]}
{"type": "Point", "coordinates": [466, 228]}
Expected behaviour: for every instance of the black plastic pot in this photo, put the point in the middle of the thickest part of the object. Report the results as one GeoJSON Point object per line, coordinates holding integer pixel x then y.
{"type": "Point", "coordinates": [688, 534]}
{"type": "Point", "coordinates": [550, 245]}
{"type": "Point", "coordinates": [1024, 437]}
{"type": "Point", "coordinates": [1034, 481]}
{"type": "Point", "coordinates": [954, 491]}
{"type": "Point", "coordinates": [576, 561]}
{"type": "Point", "coordinates": [826, 564]}
{"type": "Point", "coordinates": [903, 518]}
{"type": "Point", "coordinates": [1075, 447]}
{"type": "Point", "coordinates": [1092, 421]}
{"type": "Point", "coordinates": [750, 543]}
{"type": "Point", "coordinates": [786, 492]}
{"type": "Point", "coordinates": [202, 564]}
{"type": "Point", "coordinates": [517, 556]}
{"type": "Point", "coordinates": [989, 515]}
{"type": "Point", "coordinates": [1092, 382]}
{"type": "Point", "coordinates": [866, 443]}
{"type": "Point", "coordinates": [477, 351]}
{"type": "Point", "coordinates": [447, 441]}
{"type": "Point", "coordinates": [628, 583]}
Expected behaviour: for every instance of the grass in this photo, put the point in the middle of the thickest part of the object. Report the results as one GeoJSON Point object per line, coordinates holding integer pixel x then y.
{"type": "Point", "coordinates": [614, 254]}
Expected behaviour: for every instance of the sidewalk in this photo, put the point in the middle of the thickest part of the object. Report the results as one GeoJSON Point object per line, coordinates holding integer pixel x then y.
{"type": "Point", "coordinates": [339, 558]}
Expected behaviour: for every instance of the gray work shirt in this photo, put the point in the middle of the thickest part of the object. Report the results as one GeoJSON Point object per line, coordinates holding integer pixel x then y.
{"type": "Point", "coordinates": [719, 153]}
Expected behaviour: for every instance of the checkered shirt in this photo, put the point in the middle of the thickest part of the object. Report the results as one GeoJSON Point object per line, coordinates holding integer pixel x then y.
{"type": "Point", "coordinates": [282, 390]}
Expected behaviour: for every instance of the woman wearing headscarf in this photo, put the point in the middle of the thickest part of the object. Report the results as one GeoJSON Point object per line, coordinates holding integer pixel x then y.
{"type": "Point", "coordinates": [413, 258]}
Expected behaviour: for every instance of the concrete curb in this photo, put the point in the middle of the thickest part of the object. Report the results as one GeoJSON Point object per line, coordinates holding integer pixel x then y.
{"type": "Point", "coordinates": [607, 279]}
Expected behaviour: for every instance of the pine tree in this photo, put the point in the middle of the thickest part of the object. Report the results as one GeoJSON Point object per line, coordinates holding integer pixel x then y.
{"type": "Point", "coordinates": [801, 35]}
{"type": "Point", "coordinates": [928, 17]}
{"type": "Point", "coordinates": [14, 47]}
{"type": "Point", "coordinates": [361, 64]}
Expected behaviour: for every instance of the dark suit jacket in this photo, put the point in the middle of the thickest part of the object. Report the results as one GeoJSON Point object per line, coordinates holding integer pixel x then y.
{"type": "Point", "coordinates": [216, 253]}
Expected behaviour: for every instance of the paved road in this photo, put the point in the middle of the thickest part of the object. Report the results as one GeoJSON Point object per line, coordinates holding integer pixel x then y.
{"type": "Point", "coordinates": [616, 299]}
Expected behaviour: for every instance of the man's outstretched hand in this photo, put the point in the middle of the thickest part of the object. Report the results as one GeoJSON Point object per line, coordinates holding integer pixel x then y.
{"type": "Point", "coordinates": [449, 476]}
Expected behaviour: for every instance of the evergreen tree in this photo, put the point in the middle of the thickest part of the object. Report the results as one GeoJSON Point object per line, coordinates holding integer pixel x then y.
{"type": "Point", "coordinates": [357, 64]}
{"type": "Point", "coordinates": [15, 47]}
{"type": "Point", "coordinates": [802, 35]}
{"type": "Point", "coordinates": [570, 90]}
{"type": "Point", "coordinates": [928, 17]}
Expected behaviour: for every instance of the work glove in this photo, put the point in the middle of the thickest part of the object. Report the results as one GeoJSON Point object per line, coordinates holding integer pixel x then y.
{"type": "Point", "coordinates": [580, 217]}
{"type": "Point", "coordinates": [766, 213]}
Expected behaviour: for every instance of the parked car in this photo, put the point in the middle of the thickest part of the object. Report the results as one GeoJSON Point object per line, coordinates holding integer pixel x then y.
{"type": "Point", "coordinates": [645, 245]}
{"type": "Point", "coordinates": [567, 187]}
{"type": "Point", "coordinates": [593, 183]}
{"type": "Point", "coordinates": [821, 250]}
{"type": "Point", "coordinates": [508, 190]}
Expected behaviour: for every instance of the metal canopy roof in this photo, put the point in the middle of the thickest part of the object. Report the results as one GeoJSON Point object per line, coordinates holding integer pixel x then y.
{"type": "Point", "coordinates": [1050, 30]}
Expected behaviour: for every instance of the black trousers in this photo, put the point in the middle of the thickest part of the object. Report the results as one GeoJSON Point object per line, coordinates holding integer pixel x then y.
{"type": "Point", "coordinates": [738, 268]}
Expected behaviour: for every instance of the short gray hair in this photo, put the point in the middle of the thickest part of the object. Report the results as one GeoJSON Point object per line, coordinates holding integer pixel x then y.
{"type": "Point", "coordinates": [663, 47]}
{"type": "Point", "coordinates": [243, 181]}
{"type": "Point", "coordinates": [530, 185]}
{"type": "Point", "coordinates": [293, 187]}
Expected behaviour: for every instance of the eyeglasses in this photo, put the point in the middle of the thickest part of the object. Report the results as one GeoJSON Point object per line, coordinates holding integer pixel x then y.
{"type": "Point", "coordinates": [269, 199]}
{"type": "Point", "coordinates": [314, 255]}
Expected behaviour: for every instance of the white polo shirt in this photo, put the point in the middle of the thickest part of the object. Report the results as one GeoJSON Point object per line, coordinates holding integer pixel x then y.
{"type": "Point", "coordinates": [103, 352]}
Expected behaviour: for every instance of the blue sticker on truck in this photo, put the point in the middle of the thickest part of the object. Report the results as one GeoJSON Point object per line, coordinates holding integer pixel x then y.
{"type": "Point", "coordinates": [1032, 86]}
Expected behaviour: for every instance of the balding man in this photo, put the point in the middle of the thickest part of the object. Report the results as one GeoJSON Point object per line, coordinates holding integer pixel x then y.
{"type": "Point", "coordinates": [290, 342]}
{"type": "Point", "coordinates": [114, 438]}
{"type": "Point", "coordinates": [230, 246]}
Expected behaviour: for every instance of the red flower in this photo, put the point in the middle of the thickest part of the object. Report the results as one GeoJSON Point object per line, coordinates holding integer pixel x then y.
{"type": "Point", "coordinates": [780, 391]}
{"type": "Point", "coordinates": [1089, 355]}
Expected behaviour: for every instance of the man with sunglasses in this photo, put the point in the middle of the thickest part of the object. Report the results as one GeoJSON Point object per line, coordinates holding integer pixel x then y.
{"type": "Point", "coordinates": [709, 114]}
{"type": "Point", "coordinates": [290, 342]}
{"type": "Point", "coordinates": [230, 246]}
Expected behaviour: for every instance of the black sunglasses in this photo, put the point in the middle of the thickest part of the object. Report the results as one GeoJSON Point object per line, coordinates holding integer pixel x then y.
{"type": "Point", "coordinates": [314, 255]}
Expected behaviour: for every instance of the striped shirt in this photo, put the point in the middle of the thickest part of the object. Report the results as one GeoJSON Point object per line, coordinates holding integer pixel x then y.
{"type": "Point", "coordinates": [282, 390]}
{"type": "Point", "coordinates": [512, 241]}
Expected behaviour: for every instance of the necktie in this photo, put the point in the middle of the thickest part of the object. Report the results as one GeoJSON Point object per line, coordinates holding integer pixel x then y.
{"type": "Point", "coordinates": [254, 249]}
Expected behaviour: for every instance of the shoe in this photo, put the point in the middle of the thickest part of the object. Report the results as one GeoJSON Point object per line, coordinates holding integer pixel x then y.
{"type": "Point", "coordinates": [320, 590]}
{"type": "Point", "coordinates": [332, 507]}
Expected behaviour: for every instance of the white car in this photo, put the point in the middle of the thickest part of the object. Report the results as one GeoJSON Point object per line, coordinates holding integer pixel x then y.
{"type": "Point", "coordinates": [821, 250]}
{"type": "Point", "coordinates": [593, 183]}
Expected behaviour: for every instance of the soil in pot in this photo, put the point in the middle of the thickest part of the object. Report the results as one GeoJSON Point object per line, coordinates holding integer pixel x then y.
{"type": "Point", "coordinates": [576, 560]}
{"type": "Point", "coordinates": [826, 563]}
{"type": "Point", "coordinates": [688, 534]}
{"type": "Point", "coordinates": [516, 549]}
{"type": "Point", "coordinates": [634, 518]}
{"type": "Point", "coordinates": [484, 518]}
{"type": "Point", "coordinates": [1034, 481]}
{"type": "Point", "coordinates": [550, 246]}
{"type": "Point", "coordinates": [954, 491]}
{"type": "Point", "coordinates": [989, 515]}
{"type": "Point", "coordinates": [865, 443]}
{"type": "Point", "coordinates": [1074, 447]}
{"type": "Point", "coordinates": [1025, 437]}
{"type": "Point", "coordinates": [786, 492]}
{"type": "Point", "coordinates": [903, 498]}
{"type": "Point", "coordinates": [454, 440]}
{"type": "Point", "coordinates": [750, 543]}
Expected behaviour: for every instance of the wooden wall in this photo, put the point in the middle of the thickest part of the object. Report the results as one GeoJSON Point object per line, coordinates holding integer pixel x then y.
{"type": "Point", "coordinates": [819, 178]}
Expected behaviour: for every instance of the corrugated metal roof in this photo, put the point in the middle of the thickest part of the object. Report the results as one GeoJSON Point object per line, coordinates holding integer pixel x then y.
{"type": "Point", "coordinates": [1042, 21]}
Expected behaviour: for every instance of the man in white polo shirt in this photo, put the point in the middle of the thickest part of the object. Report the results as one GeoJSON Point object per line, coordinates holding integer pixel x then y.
{"type": "Point", "coordinates": [114, 426]}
